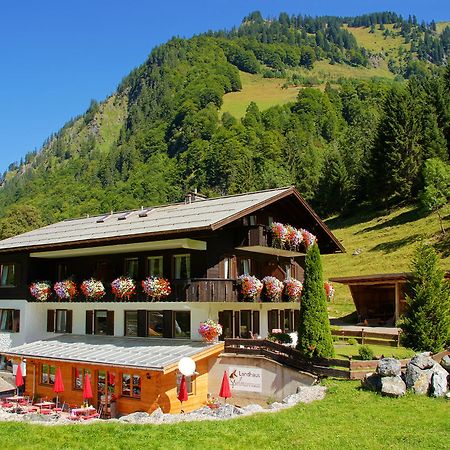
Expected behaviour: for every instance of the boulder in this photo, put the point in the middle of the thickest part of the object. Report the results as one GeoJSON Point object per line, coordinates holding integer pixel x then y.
{"type": "Point", "coordinates": [253, 408]}
{"type": "Point", "coordinates": [445, 363]}
{"type": "Point", "coordinates": [389, 367]}
{"type": "Point", "coordinates": [371, 382]}
{"type": "Point", "coordinates": [393, 386]}
{"type": "Point", "coordinates": [423, 361]}
{"type": "Point", "coordinates": [439, 385]}
{"type": "Point", "coordinates": [418, 379]}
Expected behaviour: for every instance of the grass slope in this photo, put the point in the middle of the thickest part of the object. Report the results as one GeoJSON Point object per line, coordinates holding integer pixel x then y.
{"type": "Point", "coordinates": [387, 243]}
{"type": "Point", "coordinates": [265, 92]}
{"type": "Point", "coordinates": [347, 418]}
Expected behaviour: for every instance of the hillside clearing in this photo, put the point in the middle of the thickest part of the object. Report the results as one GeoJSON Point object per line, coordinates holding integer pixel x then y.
{"type": "Point", "coordinates": [387, 243]}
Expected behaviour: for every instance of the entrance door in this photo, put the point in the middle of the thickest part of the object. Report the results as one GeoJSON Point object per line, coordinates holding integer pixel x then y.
{"type": "Point", "coordinates": [106, 384]}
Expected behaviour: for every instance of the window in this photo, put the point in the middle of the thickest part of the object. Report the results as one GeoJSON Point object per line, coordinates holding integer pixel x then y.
{"type": "Point", "coordinates": [182, 324]}
{"type": "Point", "coordinates": [226, 320]}
{"type": "Point", "coordinates": [131, 267]}
{"type": "Point", "coordinates": [131, 323]}
{"type": "Point", "coordinates": [10, 320]}
{"type": "Point", "coordinates": [105, 379]}
{"type": "Point", "coordinates": [79, 375]}
{"type": "Point", "coordinates": [62, 271]}
{"type": "Point", "coordinates": [190, 383]}
{"type": "Point", "coordinates": [61, 320]}
{"type": "Point", "coordinates": [245, 266]}
{"type": "Point", "coordinates": [155, 323]}
{"type": "Point", "coordinates": [47, 374]}
{"type": "Point", "coordinates": [131, 385]}
{"type": "Point", "coordinates": [270, 220]}
{"type": "Point", "coordinates": [227, 268]}
{"type": "Point", "coordinates": [252, 220]}
{"type": "Point", "coordinates": [288, 271]}
{"type": "Point", "coordinates": [155, 266]}
{"type": "Point", "coordinates": [7, 275]}
{"type": "Point", "coordinates": [182, 266]}
{"type": "Point", "coordinates": [273, 320]}
{"type": "Point", "coordinates": [101, 322]}
{"type": "Point", "coordinates": [243, 324]}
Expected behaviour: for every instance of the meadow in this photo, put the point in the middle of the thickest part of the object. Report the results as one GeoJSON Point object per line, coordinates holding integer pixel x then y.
{"type": "Point", "coordinates": [348, 418]}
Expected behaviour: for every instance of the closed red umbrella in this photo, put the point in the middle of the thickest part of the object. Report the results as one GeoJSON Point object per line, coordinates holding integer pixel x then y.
{"type": "Point", "coordinates": [225, 391]}
{"type": "Point", "coordinates": [183, 394]}
{"type": "Point", "coordinates": [58, 387]}
{"type": "Point", "coordinates": [19, 378]}
{"type": "Point", "coordinates": [87, 389]}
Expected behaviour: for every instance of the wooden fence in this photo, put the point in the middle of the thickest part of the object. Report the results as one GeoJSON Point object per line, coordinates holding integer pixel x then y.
{"type": "Point", "coordinates": [289, 356]}
{"type": "Point", "coordinates": [369, 337]}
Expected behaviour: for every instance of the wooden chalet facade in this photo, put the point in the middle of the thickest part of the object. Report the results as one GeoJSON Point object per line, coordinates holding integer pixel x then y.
{"type": "Point", "coordinates": [201, 246]}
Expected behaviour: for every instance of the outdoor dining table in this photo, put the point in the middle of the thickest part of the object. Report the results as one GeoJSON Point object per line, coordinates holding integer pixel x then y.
{"type": "Point", "coordinates": [15, 398]}
{"type": "Point", "coordinates": [86, 411]}
{"type": "Point", "coordinates": [45, 405]}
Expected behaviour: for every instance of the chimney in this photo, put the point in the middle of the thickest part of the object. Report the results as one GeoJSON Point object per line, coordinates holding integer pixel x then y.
{"type": "Point", "coordinates": [193, 196]}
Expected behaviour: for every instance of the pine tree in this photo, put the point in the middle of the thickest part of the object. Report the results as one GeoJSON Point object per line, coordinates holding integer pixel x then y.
{"type": "Point", "coordinates": [314, 335]}
{"type": "Point", "coordinates": [426, 325]}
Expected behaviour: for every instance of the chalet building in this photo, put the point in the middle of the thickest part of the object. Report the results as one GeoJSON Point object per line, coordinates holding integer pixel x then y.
{"type": "Point", "coordinates": [201, 246]}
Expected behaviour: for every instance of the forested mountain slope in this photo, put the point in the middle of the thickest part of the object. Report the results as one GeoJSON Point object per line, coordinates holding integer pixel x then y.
{"type": "Point", "coordinates": [343, 142]}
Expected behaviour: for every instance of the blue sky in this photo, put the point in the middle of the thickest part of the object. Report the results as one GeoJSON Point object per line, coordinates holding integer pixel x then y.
{"type": "Point", "coordinates": [57, 56]}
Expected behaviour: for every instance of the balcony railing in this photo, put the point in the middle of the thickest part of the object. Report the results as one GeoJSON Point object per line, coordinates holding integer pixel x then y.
{"type": "Point", "coordinates": [204, 290]}
{"type": "Point", "coordinates": [187, 290]}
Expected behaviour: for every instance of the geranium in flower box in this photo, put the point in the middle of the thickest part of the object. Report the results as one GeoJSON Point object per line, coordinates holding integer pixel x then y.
{"type": "Point", "coordinates": [65, 290]}
{"type": "Point", "coordinates": [272, 289]}
{"type": "Point", "coordinates": [329, 290]}
{"type": "Point", "coordinates": [41, 290]}
{"type": "Point", "coordinates": [308, 238]}
{"type": "Point", "coordinates": [156, 288]}
{"type": "Point", "coordinates": [249, 287]}
{"type": "Point", "coordinates": [293, 237]}
{"type": "Point", "coordinates": [293, 289]}
{"type": "Point", "coordinates": [210, 330]}
{"type": "Point", "coordinates": [92, 289]}
{"type": "Point", "coordinates": [123, 288]}
{"type": "Point", "coordinates": [278, 234]}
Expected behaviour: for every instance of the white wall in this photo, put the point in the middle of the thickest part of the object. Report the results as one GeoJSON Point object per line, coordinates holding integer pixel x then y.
{"type": "Point", "coordinates": [33, 315]}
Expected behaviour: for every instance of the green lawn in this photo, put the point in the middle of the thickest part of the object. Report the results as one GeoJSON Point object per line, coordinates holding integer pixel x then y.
{"type": "Point", "coordinates": [348, 418]}
{"type": "Point", "coordinates": [344, 350]}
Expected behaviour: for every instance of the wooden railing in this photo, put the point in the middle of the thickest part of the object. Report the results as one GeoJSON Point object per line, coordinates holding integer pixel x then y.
{"type": "Point", "coordinates": [369, 337]}
{"type": "Point", "coordinates": [204, 290]}
{"type": "Point", "coordinates": [289, 356]}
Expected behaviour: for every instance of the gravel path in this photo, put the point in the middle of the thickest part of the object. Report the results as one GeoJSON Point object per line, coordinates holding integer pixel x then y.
{"type": "Point", "coordinates": [305, 394]}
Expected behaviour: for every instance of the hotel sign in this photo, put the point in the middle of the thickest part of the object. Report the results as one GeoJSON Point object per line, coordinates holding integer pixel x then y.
{"type": "Point", "coordinates": [247, 379]}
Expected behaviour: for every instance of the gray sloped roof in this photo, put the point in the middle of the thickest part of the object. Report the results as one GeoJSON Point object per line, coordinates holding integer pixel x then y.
{"type": "Point", "coordinates": [142, 353]}
{"type": "Point", "coordinates": [177, 217]}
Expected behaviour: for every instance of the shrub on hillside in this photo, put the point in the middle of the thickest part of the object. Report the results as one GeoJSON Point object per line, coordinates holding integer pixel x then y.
{"type": "Point", "coordinates": [426, 324]}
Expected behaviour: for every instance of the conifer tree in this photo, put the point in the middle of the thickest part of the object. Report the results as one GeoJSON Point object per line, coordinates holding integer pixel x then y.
{"type": "Point", "coordinates": [314, 335]}
{"type": "Point", "coordinates": [426, 325]}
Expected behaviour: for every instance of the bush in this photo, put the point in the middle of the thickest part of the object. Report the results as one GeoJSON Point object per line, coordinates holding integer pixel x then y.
{"type": "Point", "coordinates": [365, 352]}
{"type": "Point", "coordinates": [281, 338]}
{"type": "Point", "coordinates": [352, 341]}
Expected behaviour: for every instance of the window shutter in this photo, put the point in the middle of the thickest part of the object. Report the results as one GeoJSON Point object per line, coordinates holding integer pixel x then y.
{"type": "Point", "coordinates": [237, 324]}
{"type": "Point", "coordinates": [221, 321]}
{"type": "Point", "coordinates": [110, 323]}
{"type": "Point", "coordinates": [142, 330]}
{"type": "Point", "coordinates": [89, 320]}
{"type": "Point", "coordinates": [296, 319]}
{"type": "Point", "coordinates": [69, 320]}
{"type": "Point", "coordinates": [50, 320]}
{"type": "Point", "coordinates": [281, 324]}
{"type": "Point", "coordinates": [256, 322]}
{"type": "Point", "coordinates": [168, 324]}
{"type": "Point", "coordinates": [16, 320]}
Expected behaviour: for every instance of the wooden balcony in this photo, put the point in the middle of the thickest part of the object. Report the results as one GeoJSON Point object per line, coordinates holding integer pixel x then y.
{"type": "Point", "coordinates": [204, 290]}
